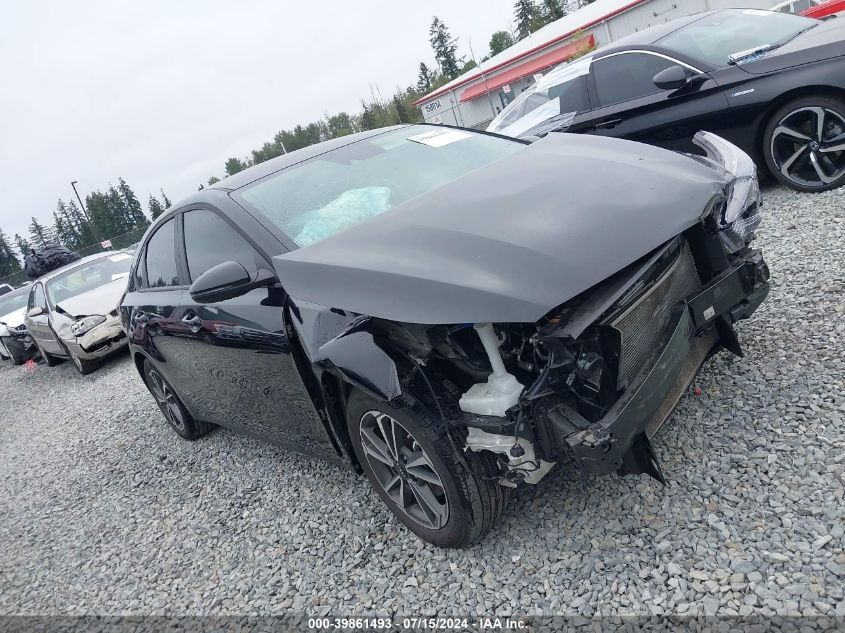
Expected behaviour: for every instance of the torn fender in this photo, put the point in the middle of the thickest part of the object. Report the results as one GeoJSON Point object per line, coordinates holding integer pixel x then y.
{"type": "Point", "coordinates": [343, 343]}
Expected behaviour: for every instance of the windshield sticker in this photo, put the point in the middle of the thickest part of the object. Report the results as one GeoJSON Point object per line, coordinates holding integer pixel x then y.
{"type": "Point", "coordinates": [120, 257]}
{"type": "Point", "coordinates": [439, 138]}
{"type": "Point", "coordinates": [757, 12]}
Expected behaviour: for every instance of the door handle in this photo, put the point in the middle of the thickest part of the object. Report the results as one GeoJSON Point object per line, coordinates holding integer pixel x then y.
{"type": "Point", "coordinates": [192, 320]}
{"type": "Point", "coordinates": [608, 125]}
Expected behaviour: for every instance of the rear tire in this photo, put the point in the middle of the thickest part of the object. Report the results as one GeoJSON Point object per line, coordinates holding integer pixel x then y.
{"type": "Point", "coordinates": [171, 406]}
{"type": "Point", "coordinates": [467, 501]}
{"type": "Point", "coordinates": [797, 144]}
{"type": "Point", "coordinates": [49, 359]}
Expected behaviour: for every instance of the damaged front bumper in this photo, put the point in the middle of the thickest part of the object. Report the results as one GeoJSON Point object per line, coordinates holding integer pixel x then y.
{"type": "Point", "coordinates": [100, 340]}
{"type": "Point", "coordinates": [619, 441]}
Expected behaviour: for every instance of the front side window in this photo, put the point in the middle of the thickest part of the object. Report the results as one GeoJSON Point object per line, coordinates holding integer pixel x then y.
{"type": "Point", "coordinates": [334, 191]}
{"type": "Point", "coordinates": [210, 240]}
{"type": "Point", "coordinates": [715, 37]}
{"type": "Point", "coordinates": [628, 76]}
{"type": "Point", "coordinates": [160, 258]}
{"type": "Point", "coordinates": [111, 269]}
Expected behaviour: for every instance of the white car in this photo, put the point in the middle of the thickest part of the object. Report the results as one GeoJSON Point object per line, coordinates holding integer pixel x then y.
{"type": "Point", "coordinates": [796, 6]}
{"type": "Point", "coordinates": [15, 341]}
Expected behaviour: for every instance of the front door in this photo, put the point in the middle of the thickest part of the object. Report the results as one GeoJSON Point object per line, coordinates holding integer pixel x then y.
{"type": "Point", "coordinates": [245, 368]}
{"type": "Point", "coordinates": [629, 105]}
{"type": "Point", "coordinates": [39, 326]}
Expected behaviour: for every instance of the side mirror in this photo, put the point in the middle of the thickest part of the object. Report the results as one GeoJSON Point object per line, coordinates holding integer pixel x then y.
{"type": "Point", "coordinates": [227, 281]}
{"type": "Point", "coordinates": [36, 311]}
{"type": "Point", "coordinates": [671, 78]}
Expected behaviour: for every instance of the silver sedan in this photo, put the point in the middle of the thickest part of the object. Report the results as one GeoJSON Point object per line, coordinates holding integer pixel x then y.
{"type": "Point", "coordinates": [72, 311]}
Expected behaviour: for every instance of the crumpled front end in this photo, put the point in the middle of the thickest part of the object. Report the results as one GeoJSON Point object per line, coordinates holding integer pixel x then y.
{"type": "Point", "coordinates": [99, 341]}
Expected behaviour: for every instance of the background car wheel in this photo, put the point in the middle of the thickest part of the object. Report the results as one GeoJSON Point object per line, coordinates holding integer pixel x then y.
{"type": "Point", "coordinates": [445, 498]}
{"type": "Point", "coordinates": [81, 365]}
{"type": "Point", "coordinates": [16, 350]}
{"type": "Point", "coordinates": [49, 359]}
{"type": "Point", "coordinates": [171, 406]}
{"type": "Point", "coordinates": [804, 144]}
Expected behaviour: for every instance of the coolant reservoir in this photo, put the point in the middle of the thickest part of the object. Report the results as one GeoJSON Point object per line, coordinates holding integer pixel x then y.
{"type": "Point", "coordinates": [501, 391]}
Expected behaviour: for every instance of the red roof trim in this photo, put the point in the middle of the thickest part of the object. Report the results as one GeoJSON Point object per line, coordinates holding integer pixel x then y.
{"type": "Point", "coordinates": [528, 68]}
{"type": "Point", "coordinates": [444, 90]}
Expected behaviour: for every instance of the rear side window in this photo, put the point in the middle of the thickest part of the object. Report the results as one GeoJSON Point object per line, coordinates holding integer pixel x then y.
{"type": "Point", "coordinates": [160, 258]}
{"type": "Point", "coordinates": [629, 76]}
{"type": "Point", "coordinates": [210, 240]}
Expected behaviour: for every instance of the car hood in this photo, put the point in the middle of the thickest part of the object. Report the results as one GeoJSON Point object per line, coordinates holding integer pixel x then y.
{"type": "Point", "coordinates": [100, 300]}
{"type": "Point", "coordinates": [13, 319]}
{"type": "Point", "coordinates": [825, 41]}
{"type": "Point", "coordinates": [511, 241]}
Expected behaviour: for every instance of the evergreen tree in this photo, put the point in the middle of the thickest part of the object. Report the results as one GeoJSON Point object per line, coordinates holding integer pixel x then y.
{"type": "Point", "coordinates": [22, 245]}
{"type": "Point", "coordinates": [76, 218]}
{"type": "Point", "coordinates": [234, 165]}
{"type": "Point", "coordinates": [135, 218]}
{"type": "Point", "coordinates": [402, 113]}
{"type": "Point", "coordinates": [165, 200]}
{"type": "Point", "coordinates": [156, 208]}
{"type": "Point", "coordinates": [552, 10]}
{"type": "Point", "coordinates": [213, 180]}
{"type": "Point", "coordinates": [8, 262]}
{"type": "Point", "coordinates": [526, 15]}
{"type": "Point", "coordinates": [500, 41]}
{"type": "Point", "coordinates": [340, 124]}
{"type": "Point", "coordinates": [445, 49]}
{"type": "Point", "coordinates": [425, 79]}
{"type": "Point", "coordinates": [39, 234]}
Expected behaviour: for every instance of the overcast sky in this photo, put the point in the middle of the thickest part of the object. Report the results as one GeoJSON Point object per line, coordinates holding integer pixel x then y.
{"type": "Point", "coordinates": [162, 92]}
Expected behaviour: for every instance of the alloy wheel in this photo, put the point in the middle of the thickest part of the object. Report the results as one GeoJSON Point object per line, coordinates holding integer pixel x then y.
{"type": "Point", "coordinates": [166, 400]}
{"type": "Point", "coordinates": [404, 470]}
{"type": "Point", "coordinates": [808, 146]}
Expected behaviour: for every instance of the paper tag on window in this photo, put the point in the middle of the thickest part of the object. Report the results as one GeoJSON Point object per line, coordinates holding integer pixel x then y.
{"type": "Point", "coordinates": [120, 257]}
{"type": "Point", "coordinates": [757, 12]}
{"type": "Point", "coordinates": [439, 138]}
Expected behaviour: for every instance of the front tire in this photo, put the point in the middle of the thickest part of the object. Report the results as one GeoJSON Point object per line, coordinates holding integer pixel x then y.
{"type": "Point", "coordinates": [171, 406]}
{"type": "Point", "coordinates": [81, 365]}
{"type": "Point", "coordinates": [804, 144]}
{"type": "Point", "coordinates": [446, 498]}
{"type": "Point", "coordinates": [16, 351]}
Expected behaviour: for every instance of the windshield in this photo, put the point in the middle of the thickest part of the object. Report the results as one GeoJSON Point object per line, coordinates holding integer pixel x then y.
{"type": "Point", "coordinates": [556, 98]}
{"type": "Point", "coordinates": [344, 187]}
{"type": "Point", "coordinates": [12, 302]}
{"type": "Point", "coordinates": [88, 277]}
{"type": "Point", "coordinates": [714, 38]}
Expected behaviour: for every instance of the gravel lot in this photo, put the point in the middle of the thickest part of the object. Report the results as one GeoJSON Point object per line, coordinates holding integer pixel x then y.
{"type": "Point", "coordinates": [105, 510]}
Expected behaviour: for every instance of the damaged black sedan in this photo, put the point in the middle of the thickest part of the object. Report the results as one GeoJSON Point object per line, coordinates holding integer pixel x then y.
{"type": "Point", "coordinates": [450, 312]}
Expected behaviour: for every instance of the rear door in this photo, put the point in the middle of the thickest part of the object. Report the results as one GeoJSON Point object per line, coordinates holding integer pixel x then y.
{"type": "Point", "coordinates": [153, 309]}
{"type": "Point", "coordinates": [244, 365]}
{"type": "Point", "coordinates": [39, 326]}
{"type": "Point", "coordinates": [627, 104]}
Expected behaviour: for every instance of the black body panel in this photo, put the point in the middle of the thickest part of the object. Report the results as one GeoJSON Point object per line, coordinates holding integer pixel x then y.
{"type": "Point", "coordinates": [511, 241]}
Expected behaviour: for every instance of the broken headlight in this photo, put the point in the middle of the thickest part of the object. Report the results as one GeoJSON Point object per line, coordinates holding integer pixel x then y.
{"type": "Point", "coordinates": [739, 216]}
{"type": "Point", "coordinates": [86, 324]}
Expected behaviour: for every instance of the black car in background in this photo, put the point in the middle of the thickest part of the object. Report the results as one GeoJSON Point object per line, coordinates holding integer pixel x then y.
{"type": "Point", "coordinates": [452, 312]}
{"type": "Point", "coordinates": [772, 83]}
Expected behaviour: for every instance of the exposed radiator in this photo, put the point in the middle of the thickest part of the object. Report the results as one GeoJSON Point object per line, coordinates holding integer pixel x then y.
{"type": "Point", "coordinates": [641, 325]}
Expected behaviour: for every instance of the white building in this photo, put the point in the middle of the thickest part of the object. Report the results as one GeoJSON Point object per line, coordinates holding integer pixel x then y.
{"type": "Point", "coordinates": [475, 97]}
